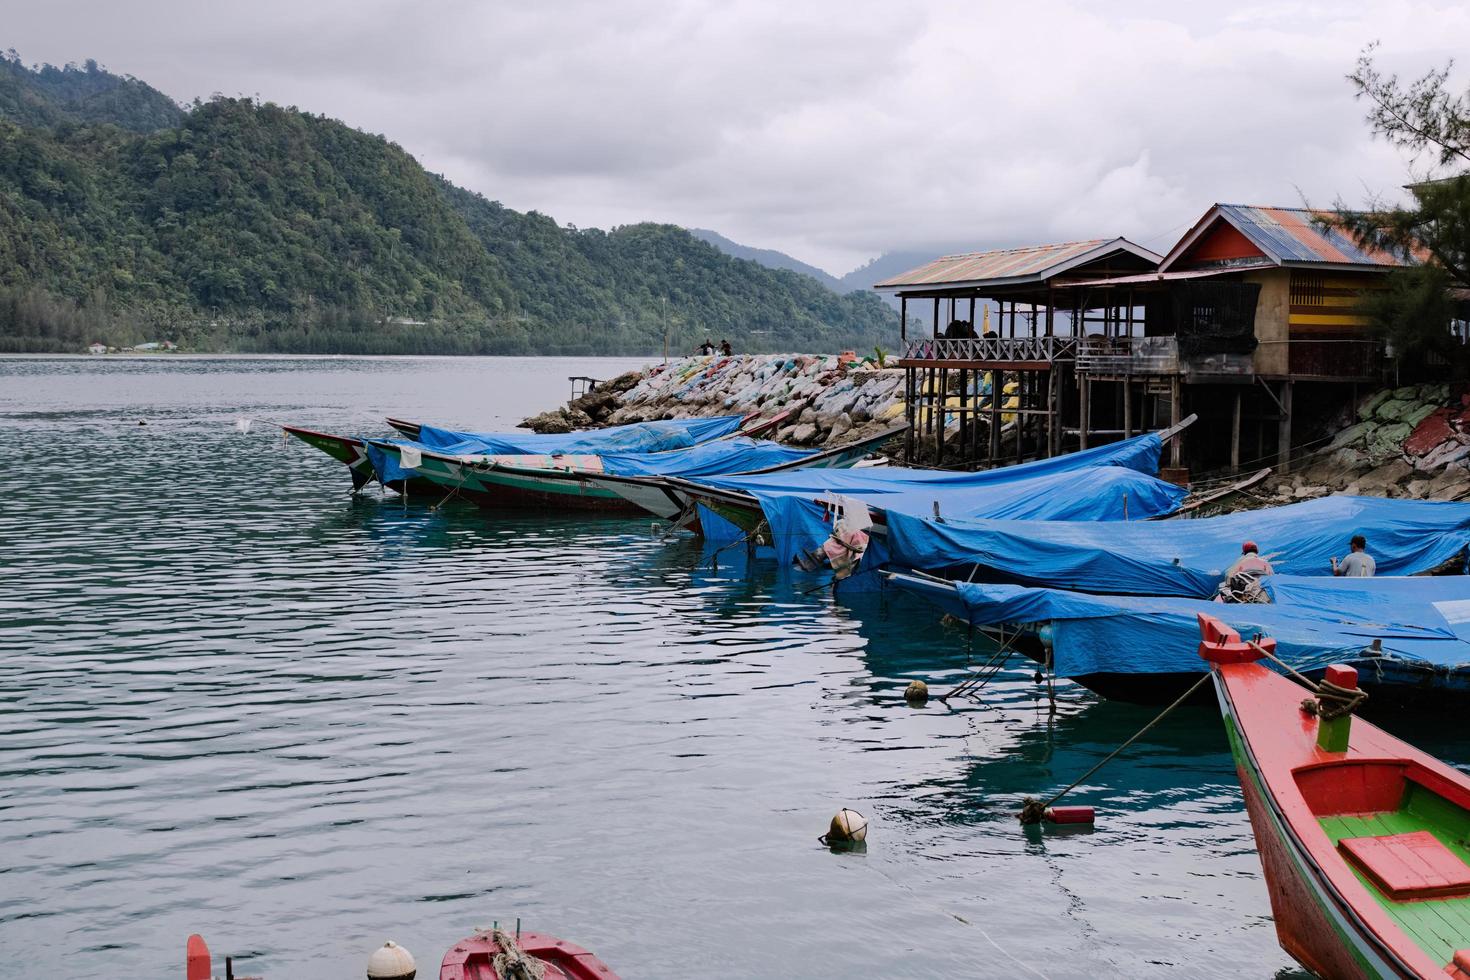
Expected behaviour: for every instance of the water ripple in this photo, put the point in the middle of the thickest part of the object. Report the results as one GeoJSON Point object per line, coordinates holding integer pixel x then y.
{"type": "Point", "coordinates": [235, 700]}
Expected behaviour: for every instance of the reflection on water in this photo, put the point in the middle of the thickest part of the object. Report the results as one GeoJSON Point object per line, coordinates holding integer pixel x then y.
{"type": "Point", "coordinates": [235, 700]}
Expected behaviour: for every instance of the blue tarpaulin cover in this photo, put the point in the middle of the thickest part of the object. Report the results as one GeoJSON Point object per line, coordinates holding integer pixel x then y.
{"type": "Point", "coordinates": [1143, 634]}
{"type": "Point", "coordinates": [1102, 493]}
{"type": "Point", "coordinates": [1437, 600]}
{"type": "Point", "coordinates": [636, 437]}
{"type": "Point", "coordinates": [1111, 482]}
{"type": "Point", "coordinates": [737, 455]}
{"type": "Point", "coordinates": [1184, 557]}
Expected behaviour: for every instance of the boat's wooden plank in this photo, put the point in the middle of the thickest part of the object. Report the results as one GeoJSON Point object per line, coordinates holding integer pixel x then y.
{"type": "Point", "coordinates": [1438, 926]}
{"type": "Point", "coordinates": [1409, 866]}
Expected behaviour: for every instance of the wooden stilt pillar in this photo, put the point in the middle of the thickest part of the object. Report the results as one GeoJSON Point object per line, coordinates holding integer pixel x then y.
{"type": "Point", "coordinates": [1051, 411]}
{"type": "Point", "coordinates": [939, 396]}
{"type": "Point", "coordinates": [1127, 407]}
{"type": "Point", "coordinates": [1176, 412]}
{"type": "Point", "coordinates": [1235, 435]}
{"type": "Point", "coordinates": [1084, 410]}
{"type": "Point", "coordinates": [997, 387]}
{"type": "Point", "coordinates": [910, 414]}
{"type": "Point", "coordinates": [1283, 432]}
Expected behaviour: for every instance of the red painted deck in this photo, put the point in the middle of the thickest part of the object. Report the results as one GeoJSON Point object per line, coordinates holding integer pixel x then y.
{"type": "Point", "coordinates": [470, 959]}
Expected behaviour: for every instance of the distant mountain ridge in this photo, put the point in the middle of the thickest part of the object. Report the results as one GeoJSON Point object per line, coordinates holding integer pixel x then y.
{"type": "Point", "coordinates": [236, 225]}
{"type": "Point", "coordinates": [860, 279]}
{"type": "Point", "coordinates": [768, 257]}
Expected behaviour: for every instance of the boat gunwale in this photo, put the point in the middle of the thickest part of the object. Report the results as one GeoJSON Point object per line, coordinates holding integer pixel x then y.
{"type": "Point", "coordinates": [1332, 875]}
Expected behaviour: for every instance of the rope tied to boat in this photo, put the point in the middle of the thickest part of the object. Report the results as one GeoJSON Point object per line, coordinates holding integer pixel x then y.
{"type": "Point", "coordinates": [1034, 811]}
{"type": "Point", "coordinates": [512, 962]}
{"type": "Point", "coordinates": [1331, 701]}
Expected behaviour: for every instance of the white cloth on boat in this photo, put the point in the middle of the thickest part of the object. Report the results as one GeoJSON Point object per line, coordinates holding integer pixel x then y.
{"type": "Point", "coordinates": [410, 457]}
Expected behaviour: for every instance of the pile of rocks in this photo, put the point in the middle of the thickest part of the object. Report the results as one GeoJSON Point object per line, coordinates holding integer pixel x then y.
{"type": "Point", "coordinates": [1412, 442]}
{"type": "Point", "coordinates": [833, 399]}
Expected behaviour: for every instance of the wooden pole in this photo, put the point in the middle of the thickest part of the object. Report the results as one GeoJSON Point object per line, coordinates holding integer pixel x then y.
{"type": "Point", "coordinates": [1283, 433]}
{"type": "Point", "coordinates": [939, 429]}
{"type": "Point", "coordinates": [910, 415]}
{"type": "Point", "coordinates": [1051, 405]}
{"type": "Point", "coordinates": [997, 386]}
{"type": "Point", "coordinates": [936, 316]}
{"type": "Point", "coordinates": [1235, 435]}
{"type": "Point", "coordinates": [1084, 410]}
{"type": "Point", "coordinates": [903, 319]}
{"type": "Point", "coordinates": [1127, 406]}
{"type": "Point", "coordinates": [1176, 394]}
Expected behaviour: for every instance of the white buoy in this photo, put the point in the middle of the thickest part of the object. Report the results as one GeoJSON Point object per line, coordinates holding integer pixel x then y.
{"type": "Point", "coordinates": [916, 693]}
{"type": "Point", "coordinates": [391, 962]}
{"type": "Point", "coordinates": [848, 827]}
{"type": "Point", "coordinates": [243, 425]}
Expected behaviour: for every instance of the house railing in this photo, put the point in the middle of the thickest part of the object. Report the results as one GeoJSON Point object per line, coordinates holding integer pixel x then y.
{"type": "Point", "coordinates": [1005, 349]}
{"type": "Point", "coordinates": [1331, 358]}
{"type": "Point", "coordinates": [1128, 355]}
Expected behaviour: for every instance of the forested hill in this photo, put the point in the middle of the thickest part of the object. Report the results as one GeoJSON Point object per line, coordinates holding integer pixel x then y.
{"type": "Point", "coordinates": [48, 96]}
{"type": "Point", "coordinates": [246, 226]}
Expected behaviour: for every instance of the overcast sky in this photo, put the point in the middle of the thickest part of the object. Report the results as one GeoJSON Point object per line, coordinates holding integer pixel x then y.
{"type": "Point", "coordinates": [833, 131]}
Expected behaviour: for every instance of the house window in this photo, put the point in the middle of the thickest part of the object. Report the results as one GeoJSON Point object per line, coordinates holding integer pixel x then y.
{"type": "Point", "coordinates": [1307, 289]}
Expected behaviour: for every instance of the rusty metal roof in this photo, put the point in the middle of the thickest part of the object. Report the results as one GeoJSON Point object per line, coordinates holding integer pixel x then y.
{"type": "Point", "coordinates": [1011, 265]}
{"type": "Point", "coordinates": [1147, 278]}
{"type": "Point", "coordinates": [1289, 236]}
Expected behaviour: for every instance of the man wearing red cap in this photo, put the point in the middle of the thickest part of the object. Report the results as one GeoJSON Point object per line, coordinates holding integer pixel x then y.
{"type": "Point", "coordinates": [1242, 580]}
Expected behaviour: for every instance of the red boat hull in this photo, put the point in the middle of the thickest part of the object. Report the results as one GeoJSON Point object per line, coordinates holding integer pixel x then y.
{"type": "Point", "coordinates": [471, 959]}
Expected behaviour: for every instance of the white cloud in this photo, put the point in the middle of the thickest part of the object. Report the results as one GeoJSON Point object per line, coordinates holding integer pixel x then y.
{"type": "Point", "coordinates": [833, 131]}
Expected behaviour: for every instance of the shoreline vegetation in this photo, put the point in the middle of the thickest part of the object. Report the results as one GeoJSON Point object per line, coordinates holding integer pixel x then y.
{"type": "Point", "coordinates": [235, 226]}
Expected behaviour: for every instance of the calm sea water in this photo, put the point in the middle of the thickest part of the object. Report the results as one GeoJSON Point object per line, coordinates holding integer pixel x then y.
{"type": "Point", "coordinates": [235, 700]}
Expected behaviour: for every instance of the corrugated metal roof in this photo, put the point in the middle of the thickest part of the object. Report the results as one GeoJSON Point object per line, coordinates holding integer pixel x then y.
{"type": "Point", "coordinates": [1295, 235]}
{"type": "Point", "coordinates": [1005, 263]}
{"type": "Point", "coordinates": [1152, 277]}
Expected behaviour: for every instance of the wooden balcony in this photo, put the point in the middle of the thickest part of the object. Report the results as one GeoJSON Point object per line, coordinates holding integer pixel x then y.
{"type": "Point", "coordinates": [985, 353]}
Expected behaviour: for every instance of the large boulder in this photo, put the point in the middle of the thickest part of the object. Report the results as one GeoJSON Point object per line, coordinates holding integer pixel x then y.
{"type": "Point", "coordinates": [1388, 440]}
{"type": "Point", "coordinates": [1395, 409]}
{"type": "Point", "coordinates": [1429, 433]}
{"type": "Point", "coordinates": [1369, 406]}
{"type": "Point", "coordinates": [1352, 435]}
{"type": "Point", "coordinates": [1379, 481]}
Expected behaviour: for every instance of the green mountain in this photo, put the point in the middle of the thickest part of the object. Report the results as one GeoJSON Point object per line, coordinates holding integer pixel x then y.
{"type": "Point", "coordinates": [48, 96]}
{"type": "Point", "coordinates": [243, 226]}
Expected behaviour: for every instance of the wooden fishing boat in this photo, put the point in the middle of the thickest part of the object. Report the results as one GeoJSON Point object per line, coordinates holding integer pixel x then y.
{"type": "Point", "coordinates": [572, 482]}
{"type": "Point", "coordinates": [1364, 839]}
{"type": "Point", "coordinates": [474, 958]}
{"type": "Point", "coordinates": [353, 453]}
{"type": "Point", "coordinates": [657, 496]}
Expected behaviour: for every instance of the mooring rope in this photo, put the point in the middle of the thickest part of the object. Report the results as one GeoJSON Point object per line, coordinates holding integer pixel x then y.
{"type": "Point", "coordinates": [980, 678]}
{"type": "Point", "coordinates": [1332, 701]}
{"type": "Point", "coordinates": [513, 963]}
{"type": "Point", "coordinates": [1033, 810]}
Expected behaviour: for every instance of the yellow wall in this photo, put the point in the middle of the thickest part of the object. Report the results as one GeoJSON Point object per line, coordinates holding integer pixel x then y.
{"type": "Point", "coordinates": [1273, 316]}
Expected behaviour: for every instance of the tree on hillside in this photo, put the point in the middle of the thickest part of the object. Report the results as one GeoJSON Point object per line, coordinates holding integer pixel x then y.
{"type": "Point", "coordinates": [1432, 123]}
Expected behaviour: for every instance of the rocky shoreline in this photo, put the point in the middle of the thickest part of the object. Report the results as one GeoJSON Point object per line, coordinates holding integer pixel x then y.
{"type": "Point", "coordinates": [831, 399]}
{"type": "Point", "coordinates": [1411, 442]}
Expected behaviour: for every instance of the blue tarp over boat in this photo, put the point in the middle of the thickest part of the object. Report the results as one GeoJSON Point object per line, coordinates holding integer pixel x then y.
{"type": "Point", "coordinates": [713, 459]}
{"type": "Point", "coordinates": [1101, 493]}
{"type": "Point", "coordinates": [1442, 601]}
{"type": "Point", "coordinates": [1152, 635]}
{"type": "Point", "coordinates": [636, 437]}
{"type": "Point", "coordinates": [1108, 483]}
{"type": "Point", "coordinates": [1185, 557]}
